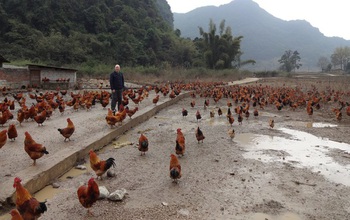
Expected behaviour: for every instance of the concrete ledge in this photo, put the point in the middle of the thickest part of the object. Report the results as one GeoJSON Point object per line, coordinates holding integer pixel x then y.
{"type": "Point", "coordinates": [36, 178]}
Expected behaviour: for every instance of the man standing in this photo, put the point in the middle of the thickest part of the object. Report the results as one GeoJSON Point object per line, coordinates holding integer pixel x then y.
{"type": "Point", "coordinates": [116, 81]}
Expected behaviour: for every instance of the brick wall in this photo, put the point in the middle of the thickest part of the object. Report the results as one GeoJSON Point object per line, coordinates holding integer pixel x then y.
{"type": "Point", "coordinates": [14, 78]}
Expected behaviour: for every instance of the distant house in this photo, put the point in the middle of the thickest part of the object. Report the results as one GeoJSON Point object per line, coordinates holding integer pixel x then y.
{"type": "Point", "coordinates": [50, 77]}
{"type": "Point", "coordinates": [40, 76]}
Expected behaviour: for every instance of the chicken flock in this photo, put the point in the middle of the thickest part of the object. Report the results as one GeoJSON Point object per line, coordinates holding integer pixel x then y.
{"type": "Point", "coordinates": [240, 100]}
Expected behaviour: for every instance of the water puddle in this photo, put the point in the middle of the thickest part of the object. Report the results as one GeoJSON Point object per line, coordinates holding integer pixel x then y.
{"type": "Point", "coordinates": [285, 216]}
{"type": "Point", "coordinates": [47, 193]}
{"type": "Point", "coordinates": [301, 149]}
{"type": "Point", "coordinates": [320, 125]}
{"type": "Point", "coordinates": [75, 172]}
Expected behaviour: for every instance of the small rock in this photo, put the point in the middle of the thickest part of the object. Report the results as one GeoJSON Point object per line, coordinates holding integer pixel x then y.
{"type": "Point", "coordinates": [164, 203]}
{"type": "Point", "coordinates": [56, 185]}
{"type": "Point", "coordinates": [104, 193]}
{"type": "Point", "coordinates": [69, 177]}
{"type": "Point", "coordinates": [80, 167]}
{"type": "Point", "coordinates": [232, 174]}
{"type": "Point", "coordinates": [117, 195]}
{"type": "Point", "coordinates": [184, 212]}
{"type": "Point", "coordinates": [111, 173]}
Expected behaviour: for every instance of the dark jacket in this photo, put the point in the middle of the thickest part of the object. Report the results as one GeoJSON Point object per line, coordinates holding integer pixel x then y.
{"type": "Point", "coordinates": [116, 81]}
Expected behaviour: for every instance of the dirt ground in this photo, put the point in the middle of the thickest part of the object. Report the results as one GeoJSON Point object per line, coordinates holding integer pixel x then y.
{"type": "Point", "coordinates": [220, 180]}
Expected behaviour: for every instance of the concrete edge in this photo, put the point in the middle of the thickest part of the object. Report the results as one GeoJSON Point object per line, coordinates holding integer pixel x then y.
{"type": "Point", "coordinates": [66, 159]}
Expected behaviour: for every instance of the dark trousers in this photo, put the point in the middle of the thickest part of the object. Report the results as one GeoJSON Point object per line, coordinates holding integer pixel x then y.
{"type": "Point", "coordinates": [116, 97]}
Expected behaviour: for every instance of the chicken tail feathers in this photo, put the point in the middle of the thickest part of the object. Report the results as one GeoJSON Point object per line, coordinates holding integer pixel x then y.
{"type": "Point", "coordinates": [144, 144]}
{"type": "Point", "coordinates": [42, 207]}
{"type": "Point", "coordinates": [45, 152]}
{"type": "Point", "coordinates": [178, 146]}
{"type": "Point", "coordinates": [110, 162]}
{"type": "Point", "coordinates": [175, 173]}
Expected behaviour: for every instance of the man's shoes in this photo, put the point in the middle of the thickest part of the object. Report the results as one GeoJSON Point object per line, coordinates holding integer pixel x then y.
{"type": "Point", "coordinates": [114, 111]}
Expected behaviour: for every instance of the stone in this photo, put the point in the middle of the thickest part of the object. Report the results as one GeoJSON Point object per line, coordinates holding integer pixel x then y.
{"type": "Point", "coordinates": [117, 195]}
{"type": "Point", "coordinates": [56, 185]}
{"type": "Point", "coordinates": [183, 212]}
{"type": "Point", "coordinates": [104, 193]}
{"type": "Point", "coordinates": [80, 167]}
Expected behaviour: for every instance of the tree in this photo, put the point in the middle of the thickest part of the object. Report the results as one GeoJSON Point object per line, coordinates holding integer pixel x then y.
{"type": "Point", "coordinates": [221, 50]}
{"type": "Point", "coordinates": [290, 61]}
{"type": "Point", "coordinates": [341, 57]}
{"type": "Point", "coordinates": [324, 64]}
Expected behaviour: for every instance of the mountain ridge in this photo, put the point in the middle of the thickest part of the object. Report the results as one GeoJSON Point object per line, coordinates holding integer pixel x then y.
{"type": "Point", "coordinates": [265, 37]}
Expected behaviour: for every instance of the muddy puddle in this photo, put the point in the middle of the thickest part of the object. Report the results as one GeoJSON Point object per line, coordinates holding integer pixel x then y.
{"type": "Point", "coordinates": [298, 148]}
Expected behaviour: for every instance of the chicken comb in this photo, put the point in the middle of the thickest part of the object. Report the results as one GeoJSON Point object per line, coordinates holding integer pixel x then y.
{"type": "Point", "coordinates": [17, 180]}
{"type": "Point", "coordinates": [91, 180]}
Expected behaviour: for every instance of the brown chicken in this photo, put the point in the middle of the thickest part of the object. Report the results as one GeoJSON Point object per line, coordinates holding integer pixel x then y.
{"type": "Point", "coordinates": [3, 138]}
{"type": "Point", "coordinates": [199, 135]}
{"type": "Point", "coordinates": [20, 116]}
{"type": "Point", "coordinates": [271, 123]}
{"type": "Point", "coordinates": [12, 132]}
{"type": "Point", "coordinates": [4, 117]}
{"type": "Point", "coordinates": [143, 144]}
{"type": "Point", "coordinates": [88, 195]}
{"type": "Point", "coordinates": [348, 110]}
{"type": "Point", "coordinates": [198, 115]}
{"type": "Point", "coordinates": [40, 118]}
{"type": "Point", "coordinates": [15, 215]}
{"type": "Point", "coordinates": [175, 168]}
{"type": "Point", "coordinates": [155, 100]}
{"type": "Point", "coordinates": [219, 112]}
{"type": "Point", "coordinates": [231, 133]}
{"type": "Point", "coordinates": [240, 119]}
{"type": "Point", "coordinates": [184, 112]}
{"type": "Point", "coordinates": [28, 206]}
{"type": "Point", "coordinates": [230, 119]}
{"type": "Point", "coordinates": [193, 103]}
{"type": "Point", "coordinates": [180, 142]}
{"type": "Point", "coordinates": [131, 112]}
{"type": "Point", "coordinates": [212, 113]}
{"type": "Point", "coordinates": [33, 149]}
{"type": "Point", "coordinates": [67, 131]}
{"type": "Point", "coordinates": [256, 113]}
{"type": "Point", "coordinates": [100, 166]}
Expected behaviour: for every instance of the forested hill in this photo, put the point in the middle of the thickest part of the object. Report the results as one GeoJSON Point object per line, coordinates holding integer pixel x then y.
{"type": "Point", "coordinates": [62, 32]}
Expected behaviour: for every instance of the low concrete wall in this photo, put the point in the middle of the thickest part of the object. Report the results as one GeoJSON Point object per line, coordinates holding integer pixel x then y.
{"type": "Point", "coordinates": [37, 178]}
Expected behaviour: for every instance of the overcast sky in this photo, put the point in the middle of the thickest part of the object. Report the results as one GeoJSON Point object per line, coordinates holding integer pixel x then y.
{"type": "Point", "coordinates": [331, 17]}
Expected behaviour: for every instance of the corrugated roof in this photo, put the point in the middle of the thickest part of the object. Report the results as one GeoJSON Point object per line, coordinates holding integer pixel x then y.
{"type": "Point", "coordinates": [34, 66]}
